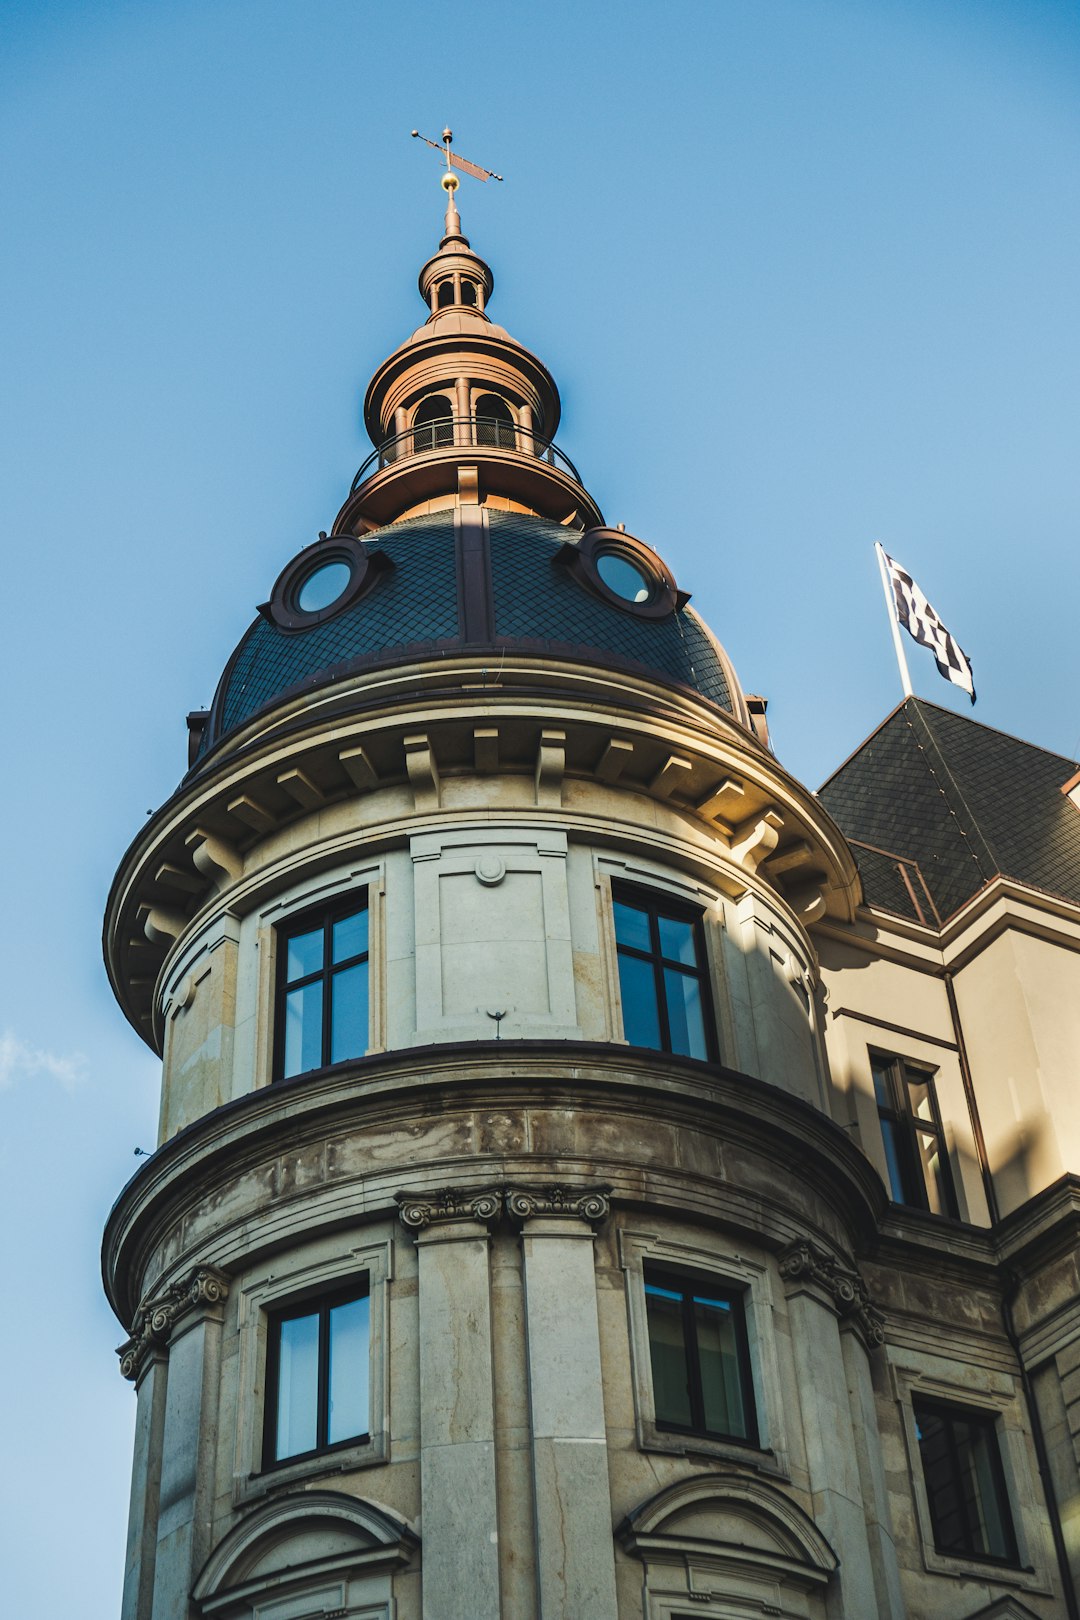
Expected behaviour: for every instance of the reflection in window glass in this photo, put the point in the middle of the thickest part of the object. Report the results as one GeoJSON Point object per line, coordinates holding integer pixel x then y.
{"type": "Point", "coordinates": [350, 936]}
{"type": "Point", "coordinates": [297, 1386]}
{"type": "Point", "coordinates": [348, 1370]}
{"type": "Point", "coordinates": [349, 1023]}
{"type": "Point", "coordinates": [323, 586]}
{"type": "Point", "coordinates": [623, 577]}
{"type": "Point", "coordinates": [305, 955]}
{"type": "Point", "coordinates": [667, 1352]}
{"type": "Point", "coordinates": [303, 1028]}
{"type": "Point", "coordinates": [662, 979]}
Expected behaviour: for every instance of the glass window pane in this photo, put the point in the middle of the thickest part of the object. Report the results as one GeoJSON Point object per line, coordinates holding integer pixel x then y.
{"type": "Point", "coordinates": [718, 1354]}
{"type": "Point", "coordinates": [303, 1029]}
{"type": "Point", "coordinates": [298, 1386]}
{"type": "Point", "coordinates": [890, 1136]}
{"type": "Point", "coordinates": [677, 940]}
{"type": "Point", "coordinates": [323, 586]}
{"type": "Point", "coordinates": [350, 936]}
{"type": "Point", "coordinates": [919, 1096]}
{"type": "Point", "coordinates": [987, 1511]}
{"type": "Point", "coordinates": [934, 1171]}
{"type": "Point", "coordinates": [305, 955]}
{"type": "Point", "coordinates": [632, 926]}
{"type": "Point", "coordinates": [349, 1328]}
{"type": "Point", "coordinates": [667, 1351]}
{"type": "Point", "coordinates": [641, 1017]}
{"type": "Point", "coordinates": [686, 1020]}
{"type": "Point", "coordinates": [882, 1088]}
{"type": "Point", "coordinates": [623, 577]}
{"type": "Point", "coordinates": [349, 1013]}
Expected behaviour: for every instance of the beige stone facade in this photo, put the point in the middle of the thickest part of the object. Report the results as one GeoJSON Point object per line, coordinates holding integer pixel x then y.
{"type": "Point", "coordinates": [505, 1176]}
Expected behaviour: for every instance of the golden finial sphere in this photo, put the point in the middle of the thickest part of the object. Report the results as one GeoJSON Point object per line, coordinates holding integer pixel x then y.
{"type": "Point", "coordinates": [450, 182]}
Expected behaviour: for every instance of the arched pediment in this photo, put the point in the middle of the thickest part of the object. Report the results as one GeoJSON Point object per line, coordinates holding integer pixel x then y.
{"type": "Point", "coordinates": [730, 1519]}
{"type": "Point", "coordinates": [300, 1538]}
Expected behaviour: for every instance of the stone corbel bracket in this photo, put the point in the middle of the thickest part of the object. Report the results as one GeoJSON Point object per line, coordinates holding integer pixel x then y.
{"type": "Point", "coordinates": [419, 1210]}
{"type": "Point", "coordinates": [158, 1315]}
{"type": "Point", "coordinates": [591, 1204]}
{"type": "Point", "coordinates": [804, 1261]}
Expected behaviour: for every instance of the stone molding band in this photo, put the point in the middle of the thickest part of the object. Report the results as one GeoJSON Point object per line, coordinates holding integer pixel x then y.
{"type": "Point", "coordinates": [419, 1210]}
{"type": "Point", "coordinates": [159, 1314]}
{"type": "Point", "coordinates": [804, 1261]}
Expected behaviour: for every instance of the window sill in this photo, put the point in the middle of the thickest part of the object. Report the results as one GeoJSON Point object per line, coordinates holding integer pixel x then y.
{"type": "Point", "coordinates": [972, 1567]}
{"type": "Point", "coordinates": [652, 1438]}
{"type": "Point", "coordinates": [253, 1487]}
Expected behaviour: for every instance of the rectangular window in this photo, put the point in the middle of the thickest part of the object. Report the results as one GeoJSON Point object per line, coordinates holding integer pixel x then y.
{"type": "Point", "coordinates": [911, 1131]}
{"type": "Point", "coordinates": [965, 1482]}
{"type": "Point", "coordinates": [317, 1377]}
{"type": "Point", "coordinates": [662, 977]}
{"type": "Point", "coordinates": [322, 1000]}
{"type": "Point", "coordinates": [700, 1358]}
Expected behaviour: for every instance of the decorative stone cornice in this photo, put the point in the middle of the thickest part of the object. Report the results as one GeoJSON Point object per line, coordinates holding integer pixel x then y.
{"type": "Point", "coordinates": [804, 1261]}
{"type": "Point", "coordinates": [158, 1315]}
{"type": "Point", "coordinates": [418, 1210]}
{"type": "Point", "coordinates": [592, 1204]}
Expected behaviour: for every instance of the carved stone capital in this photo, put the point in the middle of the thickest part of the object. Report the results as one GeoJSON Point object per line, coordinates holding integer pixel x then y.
{"type": "Point", "coordinates": [418, 1210]}
{"type": "Point", "coordinates": [592, 1204]}
{"type": "Point", "coordinates": [158, 1314]}
{"type": "Point", "coordinates": [805, 1261]}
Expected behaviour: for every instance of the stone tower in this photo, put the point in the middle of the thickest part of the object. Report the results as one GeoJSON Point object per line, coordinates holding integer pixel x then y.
{"type": "Point", "coordinates": [500, 1256]}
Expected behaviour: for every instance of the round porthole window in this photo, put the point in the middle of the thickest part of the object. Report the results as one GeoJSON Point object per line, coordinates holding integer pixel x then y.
{"type": "Point", "coordinates": [623, 577]}
{"type": "Point", "coordinates": [321, 588]}
{"type": "Point", "coordinates": [322, 581]}
{"type": "Point", "coordinates": [624, 572]}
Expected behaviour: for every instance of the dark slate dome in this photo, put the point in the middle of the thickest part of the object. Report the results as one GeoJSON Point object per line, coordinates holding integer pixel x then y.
{"type": "Point", "coordinates": [414, 610]}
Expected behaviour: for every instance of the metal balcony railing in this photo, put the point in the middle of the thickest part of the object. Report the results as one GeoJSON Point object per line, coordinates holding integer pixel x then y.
{"type": "Point", "coordinates": [464, 432]}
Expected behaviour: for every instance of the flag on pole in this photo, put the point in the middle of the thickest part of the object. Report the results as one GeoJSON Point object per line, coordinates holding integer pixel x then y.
{"type": "Point", "coordinates": [920, 621]}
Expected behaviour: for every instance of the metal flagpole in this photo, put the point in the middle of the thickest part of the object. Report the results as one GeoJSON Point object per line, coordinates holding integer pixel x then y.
{"type": "Point", "coordinates": [894, 622]}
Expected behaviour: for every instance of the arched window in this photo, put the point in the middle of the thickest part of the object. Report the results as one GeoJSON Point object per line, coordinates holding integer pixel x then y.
{"type": "Point", "coordinates": [433, 424]}
{"type": "Point", "coordinates": [495, 422]}
{"type": "Point", "coordinates": [446, 294]}
{"type": "Point", "coordinates": [468, 293]}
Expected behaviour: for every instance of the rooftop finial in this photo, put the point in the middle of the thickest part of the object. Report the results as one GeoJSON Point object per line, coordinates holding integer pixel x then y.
{"type": "Point", "coordinates": [450, 180]}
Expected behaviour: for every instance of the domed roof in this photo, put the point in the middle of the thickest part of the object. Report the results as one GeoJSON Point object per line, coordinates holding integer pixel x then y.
{"type": "Point", "coordinates": [531, 588]}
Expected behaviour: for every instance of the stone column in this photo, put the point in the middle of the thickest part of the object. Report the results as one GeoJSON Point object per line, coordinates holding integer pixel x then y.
{"type": "Point", "coordinates": [463, 410]}
{"type": "Point", "coordinates": [459, 1520]}
{"type": "Point", "coordinates": [819, 1291]}
{"type": "Point", "coordinates": [855, 1343]}
{"type": "Point", "coordinates": [180, 1437]}
{"type": "Point", "coordinates": [148, 1366]}
{"type": "Point", "coordinates": [575, 1548]}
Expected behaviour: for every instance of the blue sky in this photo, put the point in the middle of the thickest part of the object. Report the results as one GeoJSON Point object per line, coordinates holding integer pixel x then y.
{"type": "Point", "coordinates": [806, 273]}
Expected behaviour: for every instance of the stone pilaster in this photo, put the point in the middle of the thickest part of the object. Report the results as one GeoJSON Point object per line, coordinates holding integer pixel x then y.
{"type": "Point", "coordinates": [459, 1523]}
{"type": "Point", "coordinates": [575, 1550]}
{"type": "Point", "coordinates": [174, 1355]}
{"type": "Point", "coordinates": [821, 1292]}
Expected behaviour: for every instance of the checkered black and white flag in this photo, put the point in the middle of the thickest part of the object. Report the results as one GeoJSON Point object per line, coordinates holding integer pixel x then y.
{"type": "Point", "coordinates": [920, 621]}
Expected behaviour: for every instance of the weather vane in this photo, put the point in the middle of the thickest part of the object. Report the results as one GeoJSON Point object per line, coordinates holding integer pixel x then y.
{"type": "Point", "coordinates": [453, 161]}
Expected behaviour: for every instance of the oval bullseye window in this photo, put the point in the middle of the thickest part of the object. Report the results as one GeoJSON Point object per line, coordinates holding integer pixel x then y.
{"type": "Point", "coordinates": [323, 581]}
{"type": "Point", "coordinates": [323, 586]}
{"type": "Point", "coordinates": [623, 577]}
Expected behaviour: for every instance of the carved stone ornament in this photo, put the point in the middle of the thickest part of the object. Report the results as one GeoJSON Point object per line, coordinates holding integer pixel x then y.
{"type": "Point", "coordinates": [527, 1203]}
{"type": "Point", "coordinates": [804, 1260]}
{"type": "Point", "coordinates": [418, 1210]}
{"type": "Point", "coordinates": [158, 1315]}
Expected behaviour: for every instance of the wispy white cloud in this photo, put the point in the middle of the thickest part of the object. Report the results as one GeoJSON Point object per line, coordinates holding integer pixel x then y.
{"type": "Point", "coordinates": [19, 1060]}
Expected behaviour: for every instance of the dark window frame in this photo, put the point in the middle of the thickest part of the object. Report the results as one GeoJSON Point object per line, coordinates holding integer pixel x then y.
{"type": "Point", "coordinates": [306, 922]}
{"type": "Point", "coordinates": [987, 1421]}
{"type": "Point", "coordinates": [687, 1285]}
{"type": "Point", "coordinates": [275, 1317]}
{"type": "Point", "coordinates": [658, 904]}
{"type": "Point", "coordinates": [907, 1126]}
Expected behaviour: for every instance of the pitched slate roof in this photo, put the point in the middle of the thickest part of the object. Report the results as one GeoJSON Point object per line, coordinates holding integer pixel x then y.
{"type": "Point", "coordinates": [937, 805]}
